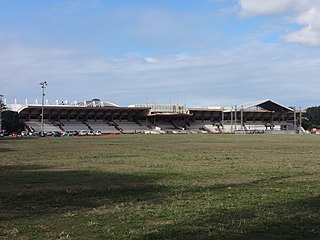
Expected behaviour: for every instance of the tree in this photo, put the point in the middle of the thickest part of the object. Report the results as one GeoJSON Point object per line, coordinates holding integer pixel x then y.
{"type": "Point", "coordinates": [11, 122]}
{"type": "Point", "coordinates": [2, 108]}
{"type": "Point", "coordinates": [305, 122]}
{"type": "Point", "coordinates": [313, 116]}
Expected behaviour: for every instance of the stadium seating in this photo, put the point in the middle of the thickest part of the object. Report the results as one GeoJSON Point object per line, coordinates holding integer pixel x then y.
{"type": "Point", "coordinates": [165, 126]}
{"type": "Point", "coordinates": [180, 124]}
{"type": "Point", "coordinates": [277, 127]}
{"type": "Point", "coordinates": [73, 125]}
{"type": "Point", "coordinates": [198, 125]}
{"type": "Point", "coordinates": [211, 128]}
{"type": "Point", "coordinates": [255, 126]}
{"type": "Point", "coordinates": [47, 126]}
{"type": "Point", "coordinates": [102, 126]}
{"type": "Point", "coordinates": [130, 127]}
{"type": "Point", "coordinates": [227, 128]}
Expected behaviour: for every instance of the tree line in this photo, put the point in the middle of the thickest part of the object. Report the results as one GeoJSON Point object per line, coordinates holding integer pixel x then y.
{"type": "Point", "coordinates": [11, 122]}
{"type": "Point", "coordinates": [311, 118]}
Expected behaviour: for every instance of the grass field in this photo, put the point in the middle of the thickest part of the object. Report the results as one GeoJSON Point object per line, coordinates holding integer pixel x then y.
{"type": "Point", "coordinates": [160, 187]}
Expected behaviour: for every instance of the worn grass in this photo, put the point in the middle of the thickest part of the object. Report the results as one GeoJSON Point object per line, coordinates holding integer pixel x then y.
{"type": "Point", "coordinates": [160, 187]}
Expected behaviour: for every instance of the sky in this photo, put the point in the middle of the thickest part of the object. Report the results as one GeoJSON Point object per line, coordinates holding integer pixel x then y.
{"type": "Point", "coordinates": [202, 52]}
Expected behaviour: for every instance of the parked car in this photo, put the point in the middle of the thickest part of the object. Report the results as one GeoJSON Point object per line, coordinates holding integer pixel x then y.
{"type": "Point", "coordinates": [70, 133]}
{"type": "Point", "coordinates": [56, 134]}
{"type": "Point", "coordinates": [97, 133]}
{"type": "Point", "coordinates": [24, 133]}
{"type": "Point", "coordinates": [3, 133]}
{"type": "Point", "coordinates": [49, 133]}
{"type": "Point", "coordinates": [91, 133]}
{"type": "Point", "coordinates": [83, 133]}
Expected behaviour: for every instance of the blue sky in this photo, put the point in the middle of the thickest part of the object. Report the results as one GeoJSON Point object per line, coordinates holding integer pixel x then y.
{"type": "Point", "coordinates": [211, 52]}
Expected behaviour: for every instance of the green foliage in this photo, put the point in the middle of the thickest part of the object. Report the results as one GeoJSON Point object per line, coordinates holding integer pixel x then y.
{"type": "Point", "coordinates": [11, 122]}
{"type": "Point", "coordinates": [313, 117]}
{"type": "Point", "coordinates": [306, 124]}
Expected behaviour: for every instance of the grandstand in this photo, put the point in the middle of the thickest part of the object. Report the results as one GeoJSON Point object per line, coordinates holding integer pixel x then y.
{"type": "Point", "coordinates": [73, 125]}
{"type": "Point", "coordinates": [35, 126]}
{"type": "Point", "coordinates": [103, 126]}
{"type": "Point", "coordinates": [126, 126]}
{"type": "Point", "coordinates": [264, 116]}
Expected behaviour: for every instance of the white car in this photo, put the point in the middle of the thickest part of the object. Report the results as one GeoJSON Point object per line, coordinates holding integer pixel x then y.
{"type": "Point", "coordinates": [91, 133]}
{"type": "Point", "coordinates": [83, 133]}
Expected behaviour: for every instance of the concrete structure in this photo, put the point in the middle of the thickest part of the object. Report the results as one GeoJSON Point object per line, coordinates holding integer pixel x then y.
{"type": "Point", "coordinates": [265, 116]}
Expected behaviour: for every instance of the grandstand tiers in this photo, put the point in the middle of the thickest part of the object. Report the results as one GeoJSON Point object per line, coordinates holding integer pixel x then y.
{"type": "Point", "coordinates": [264, 116]}
{"type": "Point", "coordinates": [169, 122]}
{"type": "Point", "coordinates": [80, 113]}
{"type": "Point", "coordinates": [261, 116]}
{"type": "Point", "coordinates": [88, 115]}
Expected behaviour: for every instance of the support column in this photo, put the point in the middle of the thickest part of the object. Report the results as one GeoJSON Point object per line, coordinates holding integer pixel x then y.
{"type": "Point", "coordinates": [231, 119]}
{"type": "Point", "coordinates": [222, 117]}
{"type": "Point", "coordinates": [300, 121]}
{"type": "Point", "coordinates": [241, 117]}
{"type": "Point", "coordinates": [235, 118]}
{"type": "Point", "coordinates": [295, 120]}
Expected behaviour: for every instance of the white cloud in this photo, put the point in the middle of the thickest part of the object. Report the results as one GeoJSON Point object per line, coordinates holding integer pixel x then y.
{"type": "Point", "coordinates": [265, 7]}
{"type": "Point", "coordinates": [301, 12]}
{"type": "Point", "coordinates": [151, 60]}
{"type": "Point", "coordinates": [213, 78]}
{"type": "Point", "coordinates": [310, 33]}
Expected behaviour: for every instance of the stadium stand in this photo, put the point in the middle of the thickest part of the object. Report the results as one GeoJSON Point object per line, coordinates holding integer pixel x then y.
{"type": "Point", "coordinates": [104, 127]}
{"type": "Point", "coordinates": [165, 126]}
{"type": "Point", "coordinates": [179, 124]}
{"type": "Point", "coordinates": [129, 127]}
{"type": "Point", "coordinates": [254, 126]}
{"type": "Point", "coordinates": [212, 128]}
{"type": "Point", "coordinates": [73, 125]}
{"type": "Point", "coordinates": [47, 127]}
{"type": "Point", "coordinates": [264, 116]}
{"type": "Point", "coordinates": [198, 125]}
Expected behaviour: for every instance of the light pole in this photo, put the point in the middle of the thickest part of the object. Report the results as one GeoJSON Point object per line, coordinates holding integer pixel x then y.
{"type": "Point", "coordinates": [43, 86]}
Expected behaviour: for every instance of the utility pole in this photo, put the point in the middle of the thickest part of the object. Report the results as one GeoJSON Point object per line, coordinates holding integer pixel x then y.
{"type": "Point", "coordinates": [43, 86]}
{"type": "Point", "coordinates": [295, 119]}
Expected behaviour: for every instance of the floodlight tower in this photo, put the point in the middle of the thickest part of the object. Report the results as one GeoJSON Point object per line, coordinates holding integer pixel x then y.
{"type": "Point", "coordinates": [43, 86]}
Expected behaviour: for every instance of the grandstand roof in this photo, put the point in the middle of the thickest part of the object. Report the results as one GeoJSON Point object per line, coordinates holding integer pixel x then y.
{"type": "Point", "coordinates": [169, 115]}
{"type": "Point", "coordinates": [267, 104]}
{"type": "Point", "coordinates": [68, 109]}
{"type": "Point", "coordinates": [97, 103]}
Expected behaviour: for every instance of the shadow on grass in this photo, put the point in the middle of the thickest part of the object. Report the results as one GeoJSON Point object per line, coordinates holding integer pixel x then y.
{"type": "Point", "coordinates": [32, 189]}
{"type": "Point", "coordinates": [298, 220]}
{"type": "Point", "coordinates": [5, 150]}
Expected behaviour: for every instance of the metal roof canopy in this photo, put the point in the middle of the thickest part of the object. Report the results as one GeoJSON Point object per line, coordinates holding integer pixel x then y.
{"type": "Point", "coordinates": [68, 109]}
{"type": "Point", "coordinates": [268, 104]}
{"type": "Point", "coordinates": [169, 115]}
